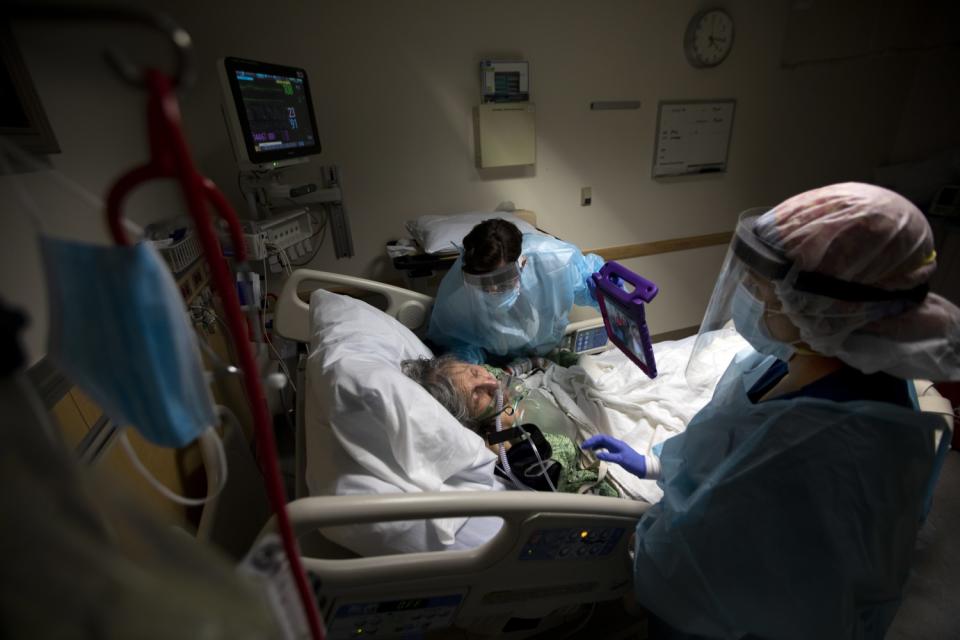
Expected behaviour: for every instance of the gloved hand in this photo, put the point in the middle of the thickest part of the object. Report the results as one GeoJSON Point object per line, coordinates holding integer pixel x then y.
{"type": "Point", "coordinates": [617, 451]}
{"type": "Point", "coordinates": [592, 288]}
{"type": "Point", "coordinates": [614, 278]}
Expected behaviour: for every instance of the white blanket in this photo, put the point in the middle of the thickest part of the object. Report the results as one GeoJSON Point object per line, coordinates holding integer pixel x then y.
{"type": "Point", "coordinates": [608, 394]}
{"type": "Point", "coordinates": [371, 430]}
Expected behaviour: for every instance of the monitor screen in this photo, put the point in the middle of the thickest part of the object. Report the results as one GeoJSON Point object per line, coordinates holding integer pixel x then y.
{"type": "Point", "coordinates": [273, 106]}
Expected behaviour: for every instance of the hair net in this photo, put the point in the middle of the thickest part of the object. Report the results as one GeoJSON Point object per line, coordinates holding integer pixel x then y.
{"type": "Point", "coordinates": [864, 235]}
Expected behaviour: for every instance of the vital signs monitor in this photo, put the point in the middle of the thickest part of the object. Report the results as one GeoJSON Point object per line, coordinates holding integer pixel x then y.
{"type": "Point", "coordinates": [269, 113]}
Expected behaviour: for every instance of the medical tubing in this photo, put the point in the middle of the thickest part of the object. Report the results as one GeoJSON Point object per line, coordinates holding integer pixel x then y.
{"type": "Point", "coordinates": [258, 321]}
{"type": "Point", "coordinates": [501, 448]}
{"type": "Point", "coordinates": [543, 466]}
{"type": "Point", "coordinates": [165, 130]}
{"type": "Point", "coordinates": [165, 490]}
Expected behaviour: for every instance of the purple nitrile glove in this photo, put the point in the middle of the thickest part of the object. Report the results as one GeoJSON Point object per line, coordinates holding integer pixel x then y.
{"type": "Point", "coordinates": [617, 451]}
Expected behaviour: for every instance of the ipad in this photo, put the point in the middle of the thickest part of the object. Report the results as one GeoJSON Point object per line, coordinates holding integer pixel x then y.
{"type": "Point", "coordinates": [622, 294]}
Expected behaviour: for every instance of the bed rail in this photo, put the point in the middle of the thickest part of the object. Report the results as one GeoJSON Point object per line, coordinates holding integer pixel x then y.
{"type": "Point", "coordinates": [293, 314]}
{"type": "Point", "coordinates": [554, 552]}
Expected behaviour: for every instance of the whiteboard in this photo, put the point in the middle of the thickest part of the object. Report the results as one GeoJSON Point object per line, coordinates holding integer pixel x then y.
{"type": "Point", "coordinates": [692, 137]}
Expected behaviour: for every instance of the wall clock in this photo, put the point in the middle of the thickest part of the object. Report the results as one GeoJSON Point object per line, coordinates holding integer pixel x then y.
{"type": "Point", "coordinates": [709, 38]}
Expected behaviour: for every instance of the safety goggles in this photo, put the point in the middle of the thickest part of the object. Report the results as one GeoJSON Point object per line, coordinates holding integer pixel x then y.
{"type": "Point", "coordinates": [501, 280]}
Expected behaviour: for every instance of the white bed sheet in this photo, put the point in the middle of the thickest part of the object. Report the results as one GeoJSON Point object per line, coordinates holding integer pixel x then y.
{"type": "Point", "coordinates": [609, 394]}
{"type": "Point", "coordinates": [371, 430]}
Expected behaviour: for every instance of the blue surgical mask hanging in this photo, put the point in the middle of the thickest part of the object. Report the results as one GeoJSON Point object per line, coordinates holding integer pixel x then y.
{"type": "Point", "coordinates": [119, 330]}
{"type": "Point", "coordinates": [748, 317]}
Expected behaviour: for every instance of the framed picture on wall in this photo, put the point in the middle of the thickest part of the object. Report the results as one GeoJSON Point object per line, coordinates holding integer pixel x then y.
{"type": "Point", "coordinates": [22, 118]}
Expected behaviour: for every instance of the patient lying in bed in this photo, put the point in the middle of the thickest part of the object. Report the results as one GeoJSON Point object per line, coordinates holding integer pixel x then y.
{"type": "Point", "coordinates": [368, 429]}
{"type": "Point", "coordinates": [541, 452]}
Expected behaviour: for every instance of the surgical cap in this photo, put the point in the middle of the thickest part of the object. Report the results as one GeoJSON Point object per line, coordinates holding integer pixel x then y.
{"type": "Point", "coordinates": [865, 235]}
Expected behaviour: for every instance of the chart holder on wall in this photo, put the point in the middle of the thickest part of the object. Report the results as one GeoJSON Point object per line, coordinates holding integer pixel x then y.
{"type": "Point", "coordinates": [693, 137]}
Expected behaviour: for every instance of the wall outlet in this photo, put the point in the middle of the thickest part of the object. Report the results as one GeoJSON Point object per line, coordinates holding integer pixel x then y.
{"type": "Point", "coordinates": [586, 196]}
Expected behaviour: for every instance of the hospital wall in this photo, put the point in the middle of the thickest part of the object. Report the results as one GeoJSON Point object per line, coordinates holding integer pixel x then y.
{"type": "Point", "coordinates": [394, 85]}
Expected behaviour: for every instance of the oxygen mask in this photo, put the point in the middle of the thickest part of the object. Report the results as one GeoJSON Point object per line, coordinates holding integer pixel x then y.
{"type": "Point", "coordinates": [510, 392]}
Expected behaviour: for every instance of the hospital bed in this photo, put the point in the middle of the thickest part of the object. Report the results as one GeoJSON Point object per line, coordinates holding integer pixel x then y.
{"type": "Point", "coordinates": [551, 554]}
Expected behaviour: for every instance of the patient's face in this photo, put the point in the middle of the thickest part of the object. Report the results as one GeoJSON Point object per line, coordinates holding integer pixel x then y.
{"type": "Point", "coordinates": [476, 385]}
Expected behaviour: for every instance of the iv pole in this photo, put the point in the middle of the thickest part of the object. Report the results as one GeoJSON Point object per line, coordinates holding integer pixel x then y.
{"type": "Point", "coordinates": [170, 157]}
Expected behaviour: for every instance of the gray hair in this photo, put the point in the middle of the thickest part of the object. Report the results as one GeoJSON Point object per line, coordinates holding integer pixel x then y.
{"type": "Point", "coordinates": [433, 374]}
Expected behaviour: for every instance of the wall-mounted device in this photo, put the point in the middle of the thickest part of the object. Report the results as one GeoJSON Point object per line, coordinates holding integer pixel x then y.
{"type": "Point", "coordinates": [504, 122]}
{"type": "Point", "coordinates": [505, 134]}
{"type": "Point", "coordinates": [269, 113]}
{"type": "Point", "coordinates": [503, 81]}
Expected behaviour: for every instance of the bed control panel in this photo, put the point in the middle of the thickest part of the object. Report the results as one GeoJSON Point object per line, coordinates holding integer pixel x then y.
{"type": "Point", "coordinates": [407, 617]}
{"type": "Point", "coordinates": [590, 340]}
{"type": "Point", "coordinates": [571, 544]}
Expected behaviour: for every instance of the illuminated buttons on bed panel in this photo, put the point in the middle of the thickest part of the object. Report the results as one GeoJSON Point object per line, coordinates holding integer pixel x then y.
{"type": "Point", "coordinates": [585, 340]}
{"type": "Point", "coordinates": [409, 617]}
{"type": "Point", "coordinates": [571, 544]}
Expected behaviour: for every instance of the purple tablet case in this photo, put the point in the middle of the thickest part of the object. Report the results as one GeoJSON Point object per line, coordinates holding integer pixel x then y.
{"type": "Point", "coordinates": [623, 313]}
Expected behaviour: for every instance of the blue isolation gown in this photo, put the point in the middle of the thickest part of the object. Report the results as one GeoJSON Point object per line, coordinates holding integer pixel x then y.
{"type": "Point", "coordinates": [794, 517]}
{"type": "Point", "coordinates": [556, 276]}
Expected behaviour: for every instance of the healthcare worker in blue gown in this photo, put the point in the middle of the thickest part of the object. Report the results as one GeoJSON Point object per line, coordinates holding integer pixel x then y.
{"type": "Point", "coordinates": [792, 501]}
{"type": "Point", "coordinates": [509, 294]}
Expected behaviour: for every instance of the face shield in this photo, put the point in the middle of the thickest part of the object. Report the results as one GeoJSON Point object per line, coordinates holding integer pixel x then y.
{"type": "Point", "coordinates": [496, 290]}
{"type": "Point", "coordinates": [498, 281]}
{"type": "Point", "coordinates": [741, 302]}
{"type": "Point", "coordinates": [777, 308]}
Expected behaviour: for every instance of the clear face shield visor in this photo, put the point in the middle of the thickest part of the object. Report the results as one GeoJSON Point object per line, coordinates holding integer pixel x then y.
{"type": "Point", "coordinates": [743, 302]}
{"type": "Point", "coordinates": [776, 308]}
{"type": "Point", "coordinates": [498, 281]}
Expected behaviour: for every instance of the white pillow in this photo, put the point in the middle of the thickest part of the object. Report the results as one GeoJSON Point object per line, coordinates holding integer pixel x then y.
{"type": "Point", "coordinates": [341, 323]}
{"type": "Point", "coordinates": [439, 234]}
{"type": "Point", "coordinates": [371, 429]}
